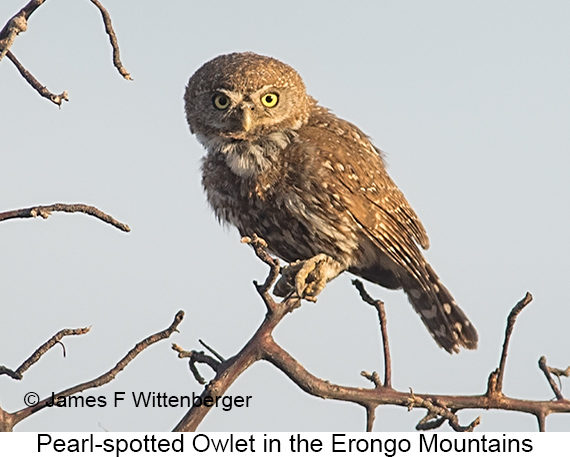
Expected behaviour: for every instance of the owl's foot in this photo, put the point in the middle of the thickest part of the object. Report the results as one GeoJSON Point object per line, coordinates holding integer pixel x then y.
{"type": "Point", "coordinates": [307, 277]}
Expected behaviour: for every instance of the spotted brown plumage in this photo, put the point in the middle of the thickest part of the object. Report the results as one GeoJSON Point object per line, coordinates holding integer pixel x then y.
{"type": "Point", "coordinates": [311, 184]}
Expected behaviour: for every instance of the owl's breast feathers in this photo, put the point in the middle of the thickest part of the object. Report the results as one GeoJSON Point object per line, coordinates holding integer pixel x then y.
{"type": "Point", "coordinates": [324, 190]}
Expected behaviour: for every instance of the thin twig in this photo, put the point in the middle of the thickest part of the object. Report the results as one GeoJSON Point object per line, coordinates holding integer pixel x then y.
{"type": "Point", "coordinates": [46, 210]}
{"type": "Point", "coordinates": [113, 38]}
{"type": "Point", "coordinates": [196, 357]}
{"type": "Point", "coordinates": [182, 354]}
{"type": "Point", "coordinates": [436, 408]}
{"type": "Point", "coordinates": [39, 352]}
{"type": "Point", "coordinates": [260, 248]}
{"type": "Point", "coordinates": [106, 377]}
{"type": "Point", "coordinates": [508, 331]}
{"type": "Point", "coordinates": [216, 354]}
{"type": "Point", "coordinates": [560, 372]}
{"type": "Point", "coordinates": [370, 416]}
{"type": "Point", "coordinates": [430, 421]}
{"type": "Point", "coordinates": [42, 90]}
{"type": "Point", "coordinates": [63, 349]}
{"type": "Point", "coordinates": [546, 370]}
{"type": "Point", "coordinates": [9, 372]}
{"type": "Point", "coordinates": [373, 378]}
{"type": "Point", "coordinates": [379, 305]}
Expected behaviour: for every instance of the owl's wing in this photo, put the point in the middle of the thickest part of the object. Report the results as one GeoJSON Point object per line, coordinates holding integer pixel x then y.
{"type": "Point", "coordinates": [383, 213]}
{"type": "Point", "coordinates": [353, 170]}
{"type": "Point", "coordinates": [387, 201]}
{"type": "Point", "coordinates": [352, 175]}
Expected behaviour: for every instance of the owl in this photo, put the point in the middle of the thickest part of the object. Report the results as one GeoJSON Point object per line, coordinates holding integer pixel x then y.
{"type": "Point", "coordinates": [313, 186]}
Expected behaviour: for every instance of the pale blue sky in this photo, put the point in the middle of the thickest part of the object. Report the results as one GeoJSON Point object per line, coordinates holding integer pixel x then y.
{"type": "Point", "coordinates": [470, 101]}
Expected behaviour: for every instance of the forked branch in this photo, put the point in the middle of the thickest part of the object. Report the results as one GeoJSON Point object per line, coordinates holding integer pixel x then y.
{"type": "Point", "coordinates": [19, 23]}
{"type": "Point", "coordinates": [548, 373]}
{"type": "Point", "coordinates": [379, 305]}
{"type": "Point", "coordinates": [498, 387]}
{"type": "Point", "coordinates": [9, 420]}
{"type": "Point", "coordinates": [439, 408]}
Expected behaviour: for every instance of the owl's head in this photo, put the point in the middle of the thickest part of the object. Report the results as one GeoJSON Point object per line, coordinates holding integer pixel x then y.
{"type": "Point", "coordinates": [244, 96]}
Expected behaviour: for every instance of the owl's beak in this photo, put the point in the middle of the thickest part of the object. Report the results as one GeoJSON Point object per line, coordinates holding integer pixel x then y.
{"type": "Point", "coordinates": [246, 120]}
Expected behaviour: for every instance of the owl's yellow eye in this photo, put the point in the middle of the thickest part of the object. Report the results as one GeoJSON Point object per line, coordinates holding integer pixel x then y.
{"type": "Point", "coordinates": [221, 101]}
{"type": "Point", "coordinates": [270, 100]}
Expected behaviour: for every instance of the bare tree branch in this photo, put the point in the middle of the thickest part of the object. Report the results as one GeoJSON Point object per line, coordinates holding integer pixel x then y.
{"type": "Point", "coordinates": [379, 305]}
{"type": "Point", "coordinates": [46, 210]}
{"type": "Point", "coordinates": [541, 418]}
{"type": "Point", "coordinates": [546, 370]}
{"type": "Point", "coordinates": [216, 354]}
{"type": "Point", "coordinates": [16, 25]}
{"type": "Point", "coordinates": [42, 90]}
{"type": "Point", "coordinates": [560, 372]}
{"type": "Point", "coordinates": [259, 246]}
{"type": "Point", "coordinates": [370, 416]}
{"type": "Point", "coordinates": [113, 38]}
{"type": "Point", "coordinates": [39, 352]}
{"type": "Point", "coordinates": [440, 408]}
{"type": "Point", "coordinates": [372, 377]}
{"type": "Point", "coordinates": [11, 30]}
{"type": "Point", "coordinates": [196, 357]}
{"type": "Point", "coordinates": [508, 331]}
{"type": "Point", "coordinates": [232, 368]}
{"type": "Point", "coordinates": [430, 421]}
{"type": "Point", "coordinates": [9, 420]}
{"type": "Point", "coordinates": [437, 409]}
{"type": "Point", "coordinates": [19, 23]}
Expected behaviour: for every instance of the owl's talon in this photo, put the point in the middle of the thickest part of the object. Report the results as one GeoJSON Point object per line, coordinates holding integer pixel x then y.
{"type": "Point", "coordinates": [307, 277]}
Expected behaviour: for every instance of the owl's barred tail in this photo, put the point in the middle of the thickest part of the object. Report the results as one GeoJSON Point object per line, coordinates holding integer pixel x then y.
{"type": "Point", "coordinates": [444, 319]}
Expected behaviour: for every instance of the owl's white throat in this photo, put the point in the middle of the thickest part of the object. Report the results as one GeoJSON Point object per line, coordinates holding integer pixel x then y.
{"type": "Point", "coordinates": [247, 159]}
